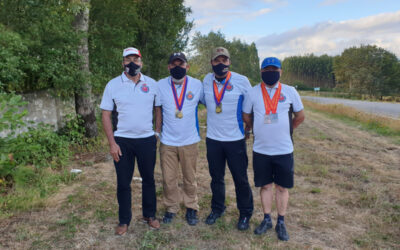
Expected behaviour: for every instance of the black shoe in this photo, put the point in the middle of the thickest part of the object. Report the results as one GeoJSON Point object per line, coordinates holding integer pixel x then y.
{"type": "Point", "coordinates": [168, 217]}
{"type": "Point", "coordinates": [212, 218]}
{"type": "Point", "coordinates": [243, 223]}
{"type": "Point", "coordinates": [191, 216]}
{"type": "Point", "coordinates": [263, 227]}
{"type": "Point", "coordinates": [280, 229]}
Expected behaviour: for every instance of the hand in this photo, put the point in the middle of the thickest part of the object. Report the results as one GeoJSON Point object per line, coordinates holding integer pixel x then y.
{"type": "Point", "coordinates": [157, 135]}
{"type": "Point", "coordinates": [115, 152]}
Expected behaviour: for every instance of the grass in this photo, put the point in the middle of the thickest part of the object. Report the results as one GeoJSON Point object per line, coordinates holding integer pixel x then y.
{"type": "Point", "coordinates": [381, 125]}
{"type": "Point", "coordinates": [346, 196]}
{"type": "Point", "coordinates": [350, 96]}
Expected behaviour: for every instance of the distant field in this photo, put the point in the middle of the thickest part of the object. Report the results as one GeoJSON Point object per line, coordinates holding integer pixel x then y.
{"type": "Point", "coordinates": [346, 195]}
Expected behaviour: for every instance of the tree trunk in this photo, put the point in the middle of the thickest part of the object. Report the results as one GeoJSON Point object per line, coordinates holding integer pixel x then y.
{"type": "Point", "coordinates": [84, 104]}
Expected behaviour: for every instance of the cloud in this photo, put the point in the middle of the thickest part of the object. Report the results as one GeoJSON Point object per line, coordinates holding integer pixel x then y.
{"type": "Point", "coordinates": [331, 2]}
{"type": "Point", "coordinates": [211, 13]}
{"type": "Point", "coordinates": [332, 38]}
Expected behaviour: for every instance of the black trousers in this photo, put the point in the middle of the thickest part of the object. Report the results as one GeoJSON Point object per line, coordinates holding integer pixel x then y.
{"type": "Point", "coordinates": [144, 151]}
{"type": "Point", "coordinates": [233, 152]}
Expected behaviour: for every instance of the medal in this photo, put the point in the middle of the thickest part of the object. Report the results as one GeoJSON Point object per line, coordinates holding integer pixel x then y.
{"type": "Point", "coordinates": [270, 105]}
{"type": "Point", "coordinates": [179, 102]}
{"type": "Point", "coordinates": [218, 96]}
{"type": "Point", "coordinates": [218, 109]}
{"type": "Point", "coordinates": [178, 114]}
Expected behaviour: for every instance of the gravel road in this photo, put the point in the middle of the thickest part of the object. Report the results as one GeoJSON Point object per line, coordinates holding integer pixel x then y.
{"type": "Point", "coordinates": [380, 108]}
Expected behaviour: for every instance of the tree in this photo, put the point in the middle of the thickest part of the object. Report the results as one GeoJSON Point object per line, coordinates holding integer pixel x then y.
{"type": "Point", "coordinates": [84, 104]}
{"type": "Point", "coordinates": [368, 69]}
{"type": "Point", "coordinates": [244, 57]}
{"type": "Point", "coordinates": [156, 27]}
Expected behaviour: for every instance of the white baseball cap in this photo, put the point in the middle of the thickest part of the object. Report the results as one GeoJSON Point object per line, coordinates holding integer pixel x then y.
{"type": "Point", "coordinates": [131, 51]}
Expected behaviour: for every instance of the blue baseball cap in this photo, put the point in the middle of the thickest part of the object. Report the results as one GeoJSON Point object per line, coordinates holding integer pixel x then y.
{"type": "Point", "coordinates": [271, 61]}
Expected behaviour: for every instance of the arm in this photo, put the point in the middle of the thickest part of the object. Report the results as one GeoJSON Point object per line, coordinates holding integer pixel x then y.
{"type": "Point", "coordinates": [247, 118]}
{"type": "Point", "coordinates": [298, 118]}
{"type": "Point", "coordinates": [115, 150]}
{"type": "Point", "coordinates": [158, 118]}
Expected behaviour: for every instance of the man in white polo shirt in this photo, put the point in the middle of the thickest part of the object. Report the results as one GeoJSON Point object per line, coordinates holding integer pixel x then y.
{"type": "Point", "coordinates": [224, 93]}
{"type": "Point", "coordinates": [132, 96]}
{"type": "Point", "coordinates": [179, 96]}
{"type": "Point", "coordinates": [273, 105]}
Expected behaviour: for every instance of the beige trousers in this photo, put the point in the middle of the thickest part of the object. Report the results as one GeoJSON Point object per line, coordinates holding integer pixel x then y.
{"type": "Point", "coordinates": [171, 157]}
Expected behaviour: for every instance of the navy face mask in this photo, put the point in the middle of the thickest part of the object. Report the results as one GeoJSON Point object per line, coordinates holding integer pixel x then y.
{"type": "Point", "coordinates": [220, 69]}
{"type": "Point", "coordinates": [270, 77]}
{"type": "Point", "coordinates": [177, 72]}
{"type": "Point", "coordinates": [132, 69]}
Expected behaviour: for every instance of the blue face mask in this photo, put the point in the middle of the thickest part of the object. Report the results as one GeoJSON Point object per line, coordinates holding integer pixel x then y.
{"type": "Point", "coordinates": [132, 69]}
{"type": "Point", "coordinates": [220, 69]}
{"type": "Point", "coordinates": [177, 72]}
{"type": "Point", "coordinates": [270, 77]}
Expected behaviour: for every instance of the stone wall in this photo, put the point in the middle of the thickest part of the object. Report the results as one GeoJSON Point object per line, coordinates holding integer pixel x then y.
{"type": "Point", "coordinates": [44, 108]}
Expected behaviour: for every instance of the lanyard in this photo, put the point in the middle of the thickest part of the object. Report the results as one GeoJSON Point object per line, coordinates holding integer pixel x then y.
{"type": "Point", "coordinates": [218, 96]}
{"type": "Point", "coordinates": [179, 102]}
{"type": "Point", "coordinates": [271, 105]}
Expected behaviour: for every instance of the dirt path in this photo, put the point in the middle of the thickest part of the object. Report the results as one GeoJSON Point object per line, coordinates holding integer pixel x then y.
{"type": "Point", "coordinates": [346, 195]}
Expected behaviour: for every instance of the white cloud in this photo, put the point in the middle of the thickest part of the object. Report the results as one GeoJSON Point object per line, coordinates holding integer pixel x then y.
{"type": "Point", "coordinates": [333, 37]}
{"type": "Point", "coordinates": [220, 13]}
{"type": "Point", "coordinates": [331, 2]}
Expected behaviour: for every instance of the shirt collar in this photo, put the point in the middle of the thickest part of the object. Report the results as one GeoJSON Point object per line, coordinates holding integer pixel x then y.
{"type": "Point", "coordinates": [275, 87]}
{"type": "Point", "coordinates": [126, 79]}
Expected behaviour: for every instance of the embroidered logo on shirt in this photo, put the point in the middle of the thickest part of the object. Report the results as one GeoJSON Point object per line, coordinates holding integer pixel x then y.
{"type": "Point", "coordinates": [229, 87]}
{"type": "Point", "coordinates": [282, 98]}
{"type": "Point", "coordinates": [189, 96]}
{"type": "Point", "coordinates": [145, 88]}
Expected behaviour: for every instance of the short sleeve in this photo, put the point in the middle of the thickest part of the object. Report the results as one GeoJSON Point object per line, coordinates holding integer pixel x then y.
{"type": "Point", "coordinates": [202, 94]}
{"type": "Point", "coordinates": [247, 103]}
{"type": "Point", "coordinates": [297, 104]}
{"type": "Point", "coordinates": [157, 99]}
{"type": "Point", "coordinates": [107, 100]}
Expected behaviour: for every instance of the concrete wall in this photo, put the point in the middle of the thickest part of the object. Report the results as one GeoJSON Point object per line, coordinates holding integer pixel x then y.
{"type": "Point", "coordinates": [43, 107]}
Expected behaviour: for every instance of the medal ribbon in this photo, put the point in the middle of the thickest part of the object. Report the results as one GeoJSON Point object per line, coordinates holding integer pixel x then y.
{"type": "Point", "coordinates": [271, 105]}
{"type": "Point", "coordinates": [218, 96]}
{"type": "Point", "coordinates": [179, 102]}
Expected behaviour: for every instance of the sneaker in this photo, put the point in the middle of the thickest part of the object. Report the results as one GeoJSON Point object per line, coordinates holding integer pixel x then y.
{"type": "Point", "coordinates": [121, 229]}
{"type": "Point", "coordinates": [280, 229]}
{"type": "Point", "coordinates": [212, 218]}
{"type": "Point", "coordinates": [168, 217]}
{"type": "Point", "coordinates": [191, 216]}
{"type": "Point", "coordinates": [243, 223]}
{"type": "Point", "coordinates": [263, 227]}
{"type": "Point", "coordinates": [152, 222]}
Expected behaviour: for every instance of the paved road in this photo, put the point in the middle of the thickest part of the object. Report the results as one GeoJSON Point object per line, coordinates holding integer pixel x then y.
{"type": "Point", "coordinates": [380, 108]}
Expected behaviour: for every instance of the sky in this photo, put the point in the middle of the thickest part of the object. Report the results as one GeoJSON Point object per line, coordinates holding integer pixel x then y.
{"type": "Point", "coordinates": [298, 27]}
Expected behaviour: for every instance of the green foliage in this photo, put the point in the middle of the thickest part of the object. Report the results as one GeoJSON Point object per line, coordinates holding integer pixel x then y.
{"type": "Point", "coordinates": [368, 70]}
{"type": "Point", "coordinates": [156, 27]}
{"type": "Point", "coordinates": [39, 46]}
{"type": "Point", "coordinates": [10, 114]}
{"type": "Point", "coordinates": [244, 57]}
{"type": "Point", "coordinates": [41, 147]}
{"type": "Point", "coordinates": [73, 129]}
{"type": "Point", "coordinates": [313, 71]}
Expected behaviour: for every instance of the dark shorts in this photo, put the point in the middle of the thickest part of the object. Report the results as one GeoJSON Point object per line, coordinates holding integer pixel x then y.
{"type": "Point", "coordinates": [278, 169]}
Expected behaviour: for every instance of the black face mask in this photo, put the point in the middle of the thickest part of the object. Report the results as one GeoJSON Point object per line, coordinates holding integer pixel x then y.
{"type": "Point", "coordinates": [270, 77]}
{"type": "Point", "coordinates": [177, 72]}
{"type": "Point", "coordinates": [220, 69]}
{"type": "Point", "coordinates": [132, 69]}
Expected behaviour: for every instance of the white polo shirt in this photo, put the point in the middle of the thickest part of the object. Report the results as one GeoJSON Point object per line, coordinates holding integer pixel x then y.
{"type": "Point", "coordinates": [227, 125]}
{"type": "Point", "coordinates": [274, 138]}
{"type": "Point", "coordinates": [134, 103]}
{"type": "Point", "coordinates": [184, 131]}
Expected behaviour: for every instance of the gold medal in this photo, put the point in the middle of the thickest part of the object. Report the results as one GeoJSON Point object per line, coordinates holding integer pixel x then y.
{"type": "Point", "coordinates": [178, 114]}
{"type": "Point", "coordinates": [218, 109]}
